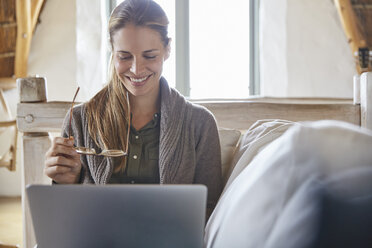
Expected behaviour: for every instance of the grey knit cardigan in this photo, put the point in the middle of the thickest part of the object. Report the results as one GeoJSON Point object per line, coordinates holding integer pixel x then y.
{"type": "Point", "coordinates": [189, 147]}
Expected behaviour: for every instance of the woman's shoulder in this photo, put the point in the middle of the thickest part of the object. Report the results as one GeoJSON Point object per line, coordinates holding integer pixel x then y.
{"type": "Point", "coordinates": [79, 110]}
{"type": "Point", "coordinates": [78, 114]}
{"type": "Point", "coordinates": [202, 123]}
{"type": "Point", "coordinates": [173, 101]}
{"type": "Point", "coordinates": [199, 109]}
{"type": "Point", "coordinates": [201, 115]}
{"type": "Point", "coordinates": [76, 120]}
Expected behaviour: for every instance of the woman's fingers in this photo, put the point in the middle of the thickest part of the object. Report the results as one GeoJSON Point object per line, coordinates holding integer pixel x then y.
{"type": "Point", "coordinates": [63, 141]}
{"type": "Point", "coordinates": [53, 171]}
{"type": "Point", "coordinates": [70, 162]}
{"type": "Point", "coordinates": [61, 146]}
{"type": "Point", "coordinates": [61, 174]}
{"type": "Point", "coordinates": [63, 169]}
{"type": "Point", "coordinates": [66, 178]}
{"type": "Point", "coordinates": [62, 162]}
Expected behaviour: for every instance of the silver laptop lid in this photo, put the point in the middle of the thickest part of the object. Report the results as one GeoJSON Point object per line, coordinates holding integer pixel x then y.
{"type": "Point", "coordinates": [118, 215]}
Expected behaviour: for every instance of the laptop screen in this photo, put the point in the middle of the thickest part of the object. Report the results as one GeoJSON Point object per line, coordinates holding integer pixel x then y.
{"type": "Point", "coordinates": [118, 215]}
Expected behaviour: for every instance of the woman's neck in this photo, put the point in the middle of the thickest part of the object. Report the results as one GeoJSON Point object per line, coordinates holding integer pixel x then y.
{"type": "Point", "coordinates": [143, 109]}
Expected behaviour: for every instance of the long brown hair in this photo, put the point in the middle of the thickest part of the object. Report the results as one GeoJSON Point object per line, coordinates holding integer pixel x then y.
{"type": "Point", "coordinates": [108, 111]}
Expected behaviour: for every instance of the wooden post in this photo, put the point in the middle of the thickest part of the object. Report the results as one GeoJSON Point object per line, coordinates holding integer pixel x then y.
{"type": "Point", "coordinates": [356, 89]}
{"type": "Point", "coordinates": [350, 24]}
{"type": "Point", "coordinates": [366, 99]}
{"type": "Point", "coordinates": [35, 11]}
{"type": "Point", "coordinates": [24, 34]}
{"type": "Point", "coordinates": [35, 144]}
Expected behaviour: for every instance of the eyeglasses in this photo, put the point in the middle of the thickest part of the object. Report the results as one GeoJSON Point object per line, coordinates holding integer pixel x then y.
{"type": "Point", "coordinates": [92, 151]}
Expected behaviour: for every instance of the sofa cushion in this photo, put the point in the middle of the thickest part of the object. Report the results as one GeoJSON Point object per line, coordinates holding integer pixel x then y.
{"type": "Point", "coordinates": [257, 137]}
{"type": "Point", "coordinates": [229, 139]}
{"type": "Point", "coordinates": [320, 206]}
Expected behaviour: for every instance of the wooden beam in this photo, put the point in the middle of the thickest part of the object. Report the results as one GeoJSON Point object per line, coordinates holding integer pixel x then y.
{"type": "Point", "coordinates": [7, 55]}
{"type": "Point", "coordinates": [8, 124]}
{"type": "Point", "coordinates": [7, 83]}
{"type": "Point", "coordinates": [363, 6]}
{"type": "Point", "coordinates": [35, 11]}
{"type": "Point", "coordinates": [48, 116]}
{"type": "Point", "coordinates": [295, 100]}
{"type": "Point", "coordinates": [8, 246]}
{"type": "Point", "coordinates": [350, 25]}
{"type": "Point", "coordinates": [41, 117]}
{"type": "Point", "coordinates": [34, 147]}
{"type": "Point", "coordinates": [242, 115]}
{"type": "Point", "coordinates": [24, 35]}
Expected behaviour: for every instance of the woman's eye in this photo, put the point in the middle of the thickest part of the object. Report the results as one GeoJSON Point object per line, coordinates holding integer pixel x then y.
{"type": "Point", "coordinates": [124, 57]}
{"type": "Point", "coordinates": [149, 57]}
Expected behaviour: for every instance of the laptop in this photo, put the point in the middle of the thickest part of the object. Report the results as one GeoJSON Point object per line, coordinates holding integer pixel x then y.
{"type": "Point", "coordinates": [90, 216]}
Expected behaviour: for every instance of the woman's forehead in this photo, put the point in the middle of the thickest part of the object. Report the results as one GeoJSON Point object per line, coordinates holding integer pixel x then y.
{"type": "Point", "coordinates": [136, 38]}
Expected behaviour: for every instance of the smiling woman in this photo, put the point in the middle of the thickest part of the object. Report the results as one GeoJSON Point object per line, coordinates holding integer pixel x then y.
{"type": "Point", "coordinates": [138, 54]}
{"type": "Point", "coordinates": [169, 6]}
{"type": "Point", "coordinates": [171, 140]}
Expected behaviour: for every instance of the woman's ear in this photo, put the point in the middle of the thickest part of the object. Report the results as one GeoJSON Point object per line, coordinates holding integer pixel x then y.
{"type": "Point", "coordinates": [168, 49]}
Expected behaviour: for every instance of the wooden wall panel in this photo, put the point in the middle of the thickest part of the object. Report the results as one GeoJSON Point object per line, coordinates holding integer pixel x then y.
{"type": "Point", "coordinates": [8, 36]}
{"type": "Point", "coordinates": [7, 11]}
{"type": "Point", "coordinates": [7, 66]}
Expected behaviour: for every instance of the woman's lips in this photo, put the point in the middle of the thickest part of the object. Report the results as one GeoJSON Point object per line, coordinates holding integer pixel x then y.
{"type": "Point", "coordinates": [137, 82]}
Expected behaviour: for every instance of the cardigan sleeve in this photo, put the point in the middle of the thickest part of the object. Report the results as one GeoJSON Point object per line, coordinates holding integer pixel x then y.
{"type": "Point", "coordinates": [77, 131]}
{"type": "Point", "coordinates": [208, 158]}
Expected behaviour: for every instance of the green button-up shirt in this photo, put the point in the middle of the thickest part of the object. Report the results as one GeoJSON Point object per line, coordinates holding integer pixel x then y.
{"type": "Point", "coordinates": [143, 160]}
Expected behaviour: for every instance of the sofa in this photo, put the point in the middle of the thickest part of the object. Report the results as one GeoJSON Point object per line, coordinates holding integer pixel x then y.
{"type": "Point", "coordinates": [274, 175]}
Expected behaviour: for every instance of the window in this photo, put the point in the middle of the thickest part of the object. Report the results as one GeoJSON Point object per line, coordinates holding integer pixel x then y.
{"type": "Point", "coordinates": [219, 49]}
{"type": "Point", "coordinates": [214, 47]}
{"type": "Point", "coordinates": [169, 69]}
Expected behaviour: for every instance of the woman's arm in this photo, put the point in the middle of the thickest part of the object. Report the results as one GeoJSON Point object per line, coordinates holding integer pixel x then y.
{"type": "Point", "coordinates": [208, 158]}
{"type": "Point", "coordinates": [62, 162]}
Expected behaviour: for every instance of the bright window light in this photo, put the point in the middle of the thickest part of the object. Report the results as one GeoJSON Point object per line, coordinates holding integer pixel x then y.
{"type": "Point", "coordinates": [169, 68]}
{"type": "Point", "coordinates": [219, 49]}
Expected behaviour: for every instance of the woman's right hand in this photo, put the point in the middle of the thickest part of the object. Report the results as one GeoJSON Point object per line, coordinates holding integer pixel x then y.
{"type": "Point", "coordinates": [62, 162]}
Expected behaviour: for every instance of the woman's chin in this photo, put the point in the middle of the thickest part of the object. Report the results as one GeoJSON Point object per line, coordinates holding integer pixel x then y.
{"type": "Point", "coordinates": [137, 90]}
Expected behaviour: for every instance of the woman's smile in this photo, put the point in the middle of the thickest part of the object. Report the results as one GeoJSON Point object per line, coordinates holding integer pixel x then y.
{"type": "Point", "coordinates": [137, 82]}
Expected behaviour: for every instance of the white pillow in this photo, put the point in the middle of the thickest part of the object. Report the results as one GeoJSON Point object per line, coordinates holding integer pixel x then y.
{"type": "Point", "coordinates": [301, 222]}
{"type": "Point", "coordinates": [260, 134]}
{"type": "Point", "coordinates": [248, 210]}
{"type": "Point", "coordinates": [229, 139]}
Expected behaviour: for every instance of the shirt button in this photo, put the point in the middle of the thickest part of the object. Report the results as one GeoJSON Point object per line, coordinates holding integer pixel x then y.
{"type": "Point", "coordinates": [136, 136]}
{"type": "Point", "coordinates": [135, 156]}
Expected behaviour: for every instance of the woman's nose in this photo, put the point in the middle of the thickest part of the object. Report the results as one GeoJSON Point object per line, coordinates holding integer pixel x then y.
{"type": "Point", "coordinates": [136, 67]}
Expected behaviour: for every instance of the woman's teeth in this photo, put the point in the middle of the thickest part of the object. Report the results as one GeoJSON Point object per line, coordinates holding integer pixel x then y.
{"type": "Point", "coordinates": [138, 80]}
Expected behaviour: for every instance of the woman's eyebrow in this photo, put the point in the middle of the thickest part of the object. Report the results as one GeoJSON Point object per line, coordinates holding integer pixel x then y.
{"type": "Point", "coordinates": [151, 50]}
{"type": "Point", "coordinates": [147, 51]}
{"type": "Point", "coordinates": [122, 51]}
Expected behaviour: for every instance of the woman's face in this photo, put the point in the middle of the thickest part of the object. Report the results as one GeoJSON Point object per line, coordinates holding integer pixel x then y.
{"type": "Point", "coordinates": [139, 54]}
